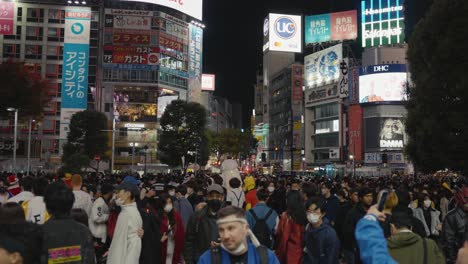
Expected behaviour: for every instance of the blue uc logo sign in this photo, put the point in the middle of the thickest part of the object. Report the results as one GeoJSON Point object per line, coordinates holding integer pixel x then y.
{"type": "Point", "coordinates": [285, 27]}
{"type": "Point", "coordinates": [77, 28]}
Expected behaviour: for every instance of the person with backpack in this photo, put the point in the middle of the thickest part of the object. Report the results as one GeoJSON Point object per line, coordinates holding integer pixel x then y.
{"type": "Point", "coordinates": [234, 246]}
{"type": "Point", "coordinates": [235, 195]}
{"type": "Point", "coordinates": [263, 220]}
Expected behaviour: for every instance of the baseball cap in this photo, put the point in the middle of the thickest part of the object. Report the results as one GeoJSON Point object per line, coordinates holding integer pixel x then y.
{"type": "Point", "coordinates": [132, 180]}
{"type": "Point", "coordinates": [215, 188]}
{"type": "Point", "coordinates": [126, 186]}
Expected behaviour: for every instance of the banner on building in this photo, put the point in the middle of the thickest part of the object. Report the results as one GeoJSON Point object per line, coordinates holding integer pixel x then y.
{"type": "Point", "coordinates": [331, 27]}
{"type": "Point", "coordinates": [193, 8]}
{"type": "Point", "coordinates": [323, 67]}
{"type": "Point", "coordinates": [75, 65]}
{"type": "Point", "coordinates": [195, 63]}
{"type": "Point", "coordinates": [344, 78]}
{"type": "Point", "coordinates": [7, 17]}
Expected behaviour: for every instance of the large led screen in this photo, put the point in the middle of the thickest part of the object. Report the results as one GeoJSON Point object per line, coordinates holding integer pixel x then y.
{"type": "Point", "coordinates": [384, 133]}
{"type": "Point", "coordinates": [381, 83]}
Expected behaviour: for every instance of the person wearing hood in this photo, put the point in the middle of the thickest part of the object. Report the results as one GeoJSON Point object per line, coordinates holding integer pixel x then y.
{"type": "Point", "coordinates": [251, 192]}
{"type": "Point", "coordinates": [321, 244]}
{"type": "Point", "coordinates": [229, 169]}
{"type": "Point", "coordinates": [407, 247]}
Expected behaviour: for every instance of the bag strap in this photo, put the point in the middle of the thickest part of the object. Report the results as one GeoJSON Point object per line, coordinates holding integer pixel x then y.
{"type": "Point", "coordinates": [263, 254]}
{"type": "Point", "coordinates": [216, 255]}
{"type": "Point", "coordinates": [268, 214]}
{"type": "Point", "coordinates": [425, 251]}
{"type": "Point", "coordinates": [254, 214]}
{"type": "Point", "coordinates": [237, 197]}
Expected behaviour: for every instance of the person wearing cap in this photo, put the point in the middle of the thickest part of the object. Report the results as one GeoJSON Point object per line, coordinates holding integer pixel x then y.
{"type": "Point", "coordinates": [131, 180]}
{"type": "Point", "coordinates": [125, 247]}
{"type": "Point", "coordinates": [99, 216]}
{"type": "Point", "coordinates": [234, 246]}
{"type": "Point", "coordinates": [13, 185]}
{"type": "Point", "coordinates": [26, 191]}
{"type": "Point", "coordinates": [202, 232]}
{"type": "Point", "coordinates": [408, 247]}
{"type": "Point", "coordinates": [82, 199]}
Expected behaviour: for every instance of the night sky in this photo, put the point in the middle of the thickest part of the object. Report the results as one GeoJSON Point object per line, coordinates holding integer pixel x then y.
{"type": "Point", "coordinates": [233, 40]}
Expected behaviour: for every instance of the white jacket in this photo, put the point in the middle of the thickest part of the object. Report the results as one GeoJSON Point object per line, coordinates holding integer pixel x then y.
{"type": "Point", "coordinates": [126, 244]}
{"type": "Point", "coordinates": [83, 201]}
{"type": "Point", "coordinates": [236, 197]}
{"type": "Point", "coordinates": [23, 196]}
{"type": "Point", "coordinates": [35, 210]}
{"type": "Point", "coordinates": [98, 219]}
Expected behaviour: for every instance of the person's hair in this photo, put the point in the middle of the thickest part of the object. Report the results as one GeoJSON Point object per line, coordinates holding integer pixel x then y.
{"type": "Point", "coordinates": [59, 199]}
{"type": "Point", "coordinates": [392, 200]}
{"type": "Point", "coordinates": [262, 195]}
{"type": "Point", "coordinates": [159, 204]}
{"type": "Point", "coordinates": [217, 179]}
{"type": "Point", "coordinates": [403, 197]}
{"type": "Point", "coordinates": [27, 235]}
{"type": "Point", "coordinates": [364, 191]}
{"type": "Point", "coordinates": [11, 213]}
{"type": "Point", "coordinates": [182, 189]}
{"type": "Point", "coordinates": [234, 183]}
{"type": "Point", "coordinates": [27, 183]}
{"type": "Point", "coordinates": [76, 180]}
{"type": "Point", "coordinates": [342, 193]}
{"type": "Point", "coordinates": [295, 207]}
{"type": "Point", "coordinates": [39, 186]}
{"type": "Point", "coordinates": [401, 220]}
{"type": "Point", "coordinates": [79, 215]}
{"type": "Point", "coordinates": [319, 202]}
{"type": "Point", "coordinates": [231, 210]}
{"type": "Point", "coordinates": [308, 189]}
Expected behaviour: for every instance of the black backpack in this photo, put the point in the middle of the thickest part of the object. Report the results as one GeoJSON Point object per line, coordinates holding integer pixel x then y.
{"type": "Point", "coordinates": [261, 229]}
{"type": "Point", "coordinates": [261, 250]}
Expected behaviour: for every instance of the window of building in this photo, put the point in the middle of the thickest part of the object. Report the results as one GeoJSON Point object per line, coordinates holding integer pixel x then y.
{"type": "Point", "coordinates": [54, 52]}
{"type": "Point", "coordinates": [34, 67]}
{"type": "Point", "coordinates": [33, 52]}
{"type": "Point", "coordinates": [19, 14]}
{"type": "Point", "coordinates": [17, 36]}
{"type": "Point", "coordinates": [35, 15]}
{"type": "Point", "coordinates": [55, 34]}
{"type": "Point", "coordinates": [327, 140]}
{"type": "Point", "coordinates": [53, 71]}
{"type": "Point", "coordinates": [328, 126]}
{"type": "Point", "coordinates": [34, 33]}
{"type": "Point", "coordinates": [325, 111]}
{"type": "Point", "coordinates": [56, 16]}
{"type": "Point", "coordinates": [11, 50]}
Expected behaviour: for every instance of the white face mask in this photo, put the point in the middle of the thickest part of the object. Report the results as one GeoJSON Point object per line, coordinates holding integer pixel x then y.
{"type": "Point", "coordinates": [237, 252]}
{"type": "Point", "coordinates": [119, 202]}
{"type": "Point", "coordinates": [427, 203]}
{"type": "Point", "coordinates": [271, 188]}
{"type": "Point", "coordinates": [313, 218]}
{"type": "Point", "coordinates": [168, 208]}
{"type": "Point", "coordinates": [171, 193]}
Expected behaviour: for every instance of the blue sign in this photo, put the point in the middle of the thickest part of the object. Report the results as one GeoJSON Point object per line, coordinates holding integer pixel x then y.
{"type": "Point", "coordinates": [317, 29]}
{"type": "Point", "coordinates": [383, 68]}
{"type": "Point", "coordinates": [174, 72]}
{"type": "Point", "coordinates": [285, 27]}
{"type": "Point", "coordinates": [75, 76]}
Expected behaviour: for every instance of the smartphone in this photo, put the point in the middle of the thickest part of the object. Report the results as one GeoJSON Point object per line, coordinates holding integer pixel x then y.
{"type": "Point", "coordinates": [382, 200]}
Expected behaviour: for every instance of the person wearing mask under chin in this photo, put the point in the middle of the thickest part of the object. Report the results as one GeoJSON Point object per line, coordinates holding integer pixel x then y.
{"type": "Point", "coordinates": [126, 242]}
{"type": "Point", "coordinates": [172, 230]}
{"type": "Point", "coordinates": [321, 244]}
{"type": "Point", "coordinates": [429, 216]}
{"type": "Point", "coordinates": [202, 232]}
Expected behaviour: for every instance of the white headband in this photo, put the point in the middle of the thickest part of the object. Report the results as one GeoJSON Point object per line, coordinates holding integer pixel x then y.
{"type": "Point", "coordinates": [231, 219]}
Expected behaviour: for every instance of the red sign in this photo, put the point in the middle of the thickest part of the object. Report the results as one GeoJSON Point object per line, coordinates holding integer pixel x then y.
{"type": "Point", "coordinates": [137, 50]}
{"type": "Point", "coordinates": [131, 58]}
{"type": "Point", "coordinates": [127, 38]}
{"type": "Point", "coordinates": [7, 10]}
{"type": "Point", "coordinates": [168, 42]}
{"type": "Point", "coordinates": [344, 25]}
{"type": "Point", "coordinates": [355, 131]}
{"type": "Point", "coordinates": [297, 83]}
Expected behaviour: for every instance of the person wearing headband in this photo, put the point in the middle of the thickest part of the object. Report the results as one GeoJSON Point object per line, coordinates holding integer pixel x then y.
{"type": "Point", "coordinates": [237, 242]}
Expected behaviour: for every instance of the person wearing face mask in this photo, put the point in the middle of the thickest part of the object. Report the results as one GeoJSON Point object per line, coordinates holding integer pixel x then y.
{"type": "Point", "coordinates": [234, 246]}
{"type": "Point", "coordinates": [172, 230]}
{"type": "Point", "coordinates": [126, 244]}
{"type": "Point", "coordinates": [429, 216]}
{"type": "Point", "coordinates": [202, 232]}
{"type": "Point", "coordinates": [321, 244]}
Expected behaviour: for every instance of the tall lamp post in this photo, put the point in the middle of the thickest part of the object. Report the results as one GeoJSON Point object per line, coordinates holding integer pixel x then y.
{"type": "Point", "coordinates": [31, 121]}
{"type": "Point", "coordinates": [11, 109]}
{"type": "Point", "coordinates": [351, 157]}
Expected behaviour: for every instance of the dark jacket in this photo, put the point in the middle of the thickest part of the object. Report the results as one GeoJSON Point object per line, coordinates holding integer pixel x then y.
{"type": "Point", "coordinates": [453, 230]}
{"type": "Point", "coordinates": [277, 200]}
{"type": "Point", "coordinates": [341, 217]}
{"type": "Point", "coordinates": [417, 225]}
{"type": "Point", "coordinates": [185, 210]}
{"type": "Point", "coordinates": [68, 241]}
{"type": "Point", "coordinates": [333, 204]}
{"type": "Point", "coordinates": [201, 230]}
{"type": "Point", "coordinates": [349, 226]}
{"type": "Point", "coordinates": [408, 247]}
{"type": "Point", "coordinates": [150, 242]}
{"type": "Point", "coordinates": [322, 245]}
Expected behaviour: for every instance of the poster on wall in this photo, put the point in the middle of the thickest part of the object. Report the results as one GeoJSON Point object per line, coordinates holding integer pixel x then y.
{"type": "Point", "coordinates": [385, 133]}
{"type": "Point", "coordinates": [323, 67]}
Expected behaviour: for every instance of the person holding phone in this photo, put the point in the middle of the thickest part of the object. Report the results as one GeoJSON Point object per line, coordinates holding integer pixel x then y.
{"type": "Point", "coordinates": [172, 230]}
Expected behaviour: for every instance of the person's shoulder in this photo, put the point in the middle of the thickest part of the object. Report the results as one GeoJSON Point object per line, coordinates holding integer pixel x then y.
{"type": "Point", "coordinates": [205, 257]}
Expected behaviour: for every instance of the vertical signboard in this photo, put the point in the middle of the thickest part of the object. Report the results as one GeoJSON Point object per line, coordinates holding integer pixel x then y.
{"type": "Point", "coordinates": [7, 13]}
{"type": "Point", "coordinates": [383, 22]}
{"type": "Point", "coordinates": [344, 79]}
{"type": "Point", "coordinates": [195, 63]}
{"type": "Point", "coordinates": [355, 131]}
{"type": "Point", "coordinates": [75, 65]}
{"type": "Point", "coordinates": [353, 82]}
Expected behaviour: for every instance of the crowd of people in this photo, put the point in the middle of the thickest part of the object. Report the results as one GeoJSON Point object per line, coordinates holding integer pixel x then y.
{"type": "Point", "coordinates": [176, 218]}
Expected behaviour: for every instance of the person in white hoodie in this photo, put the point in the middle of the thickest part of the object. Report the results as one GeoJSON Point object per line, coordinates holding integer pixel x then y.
{"type": "Point", "coordinates": [82, 199]}
{"type": "Point", "coordinates": [98, 219]}
{"type": "Point", "coordinates": [126, 243]}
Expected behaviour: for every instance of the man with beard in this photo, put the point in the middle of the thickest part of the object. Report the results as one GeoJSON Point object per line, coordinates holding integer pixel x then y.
{"type": "Point", "coordinates": [202, 230]}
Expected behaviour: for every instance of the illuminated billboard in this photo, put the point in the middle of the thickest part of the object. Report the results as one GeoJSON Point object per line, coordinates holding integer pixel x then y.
{"type": "Point", "coordinates": [331, 27]}
{"type": "Point", "coordinates": [208, 82]}
{"type": "Point", "coordinates": [382, 22]}
{"type": "Point", "coordinates": [380, 83]}
{"type": "Point", "coordinates": [323, 67]}
{"type": "Point", "coordinates": [193, 8]}
{"type": "Point", "coordinates": [384, 133]}
{"type": "Point", "coordinates": [282, 33]}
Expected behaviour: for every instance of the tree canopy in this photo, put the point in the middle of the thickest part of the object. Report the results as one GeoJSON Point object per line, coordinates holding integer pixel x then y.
{"type": "Point", "coordinates": [183, 134]}
{"type": "Point", "coordinates": [230, 141]}
{"type": "Point", "coordinates": [437, 114]}
{"type": "Point", "coordinates": [86, 139]}
{"type": "Point", "coordinates": [22, 89]}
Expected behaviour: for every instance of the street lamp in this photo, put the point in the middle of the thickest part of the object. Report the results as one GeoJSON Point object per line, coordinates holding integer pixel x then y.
{"type": "Point", "coordinates": [351, 157]}
{"type": "Point", "coordinates": [11, 109]}
{"type": "Point", "coordinates": [29, 146]}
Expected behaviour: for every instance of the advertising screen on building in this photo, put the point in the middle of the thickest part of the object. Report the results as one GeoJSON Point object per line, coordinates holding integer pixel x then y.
{"type": "Point", "coordinates": [135, 112]}
{"type": "Point", "coordinates": [382, 22]}
{"type": "Point", "coordinates": [7, 20]}
{"type": "Point", "coordinates": [208, 82]}
{"type": "Point", "coordinates": [380, 83]}
{"type": "Point", "coordinates": [331, 27]}
{"type": "Point", "coordinates": [323, 67]}
{"type": "Point", "coordinates": [283, 33]}
{"type": "Point", "coordinates": [193, 8]}
{"type": "Point", "coordinates": [384, 133]}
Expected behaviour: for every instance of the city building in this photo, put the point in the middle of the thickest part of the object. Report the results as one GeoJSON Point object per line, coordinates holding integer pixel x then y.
{"type": "Point", "coordinates": [221, 114]}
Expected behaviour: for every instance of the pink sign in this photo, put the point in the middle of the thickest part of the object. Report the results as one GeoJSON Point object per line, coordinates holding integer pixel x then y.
{"type": "Point", "coordinates": [343, 25]}
{"type": "Point", "coordinates": [7, 13]}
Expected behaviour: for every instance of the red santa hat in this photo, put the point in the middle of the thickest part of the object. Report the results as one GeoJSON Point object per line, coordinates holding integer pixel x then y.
{"type": "Point", "coordinates": [12, 179]}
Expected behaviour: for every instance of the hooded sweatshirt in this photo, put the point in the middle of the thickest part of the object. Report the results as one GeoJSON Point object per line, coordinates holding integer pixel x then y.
{"type": "Point", "coordinates": [407, 247]}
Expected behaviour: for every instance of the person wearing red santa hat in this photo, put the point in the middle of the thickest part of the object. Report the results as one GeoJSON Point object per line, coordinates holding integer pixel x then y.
{"type": "Point", "coordinates": [14, 187]}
